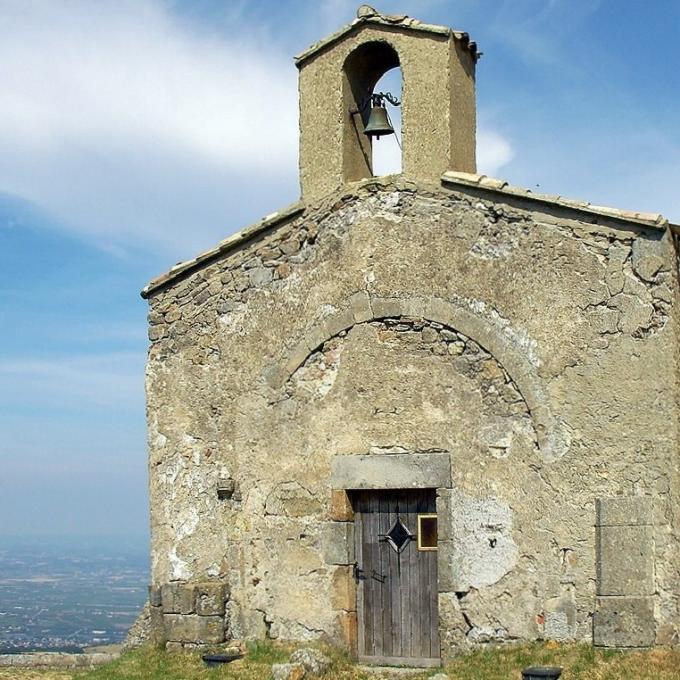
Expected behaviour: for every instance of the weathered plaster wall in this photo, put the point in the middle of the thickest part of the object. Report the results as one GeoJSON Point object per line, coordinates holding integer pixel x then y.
{"type": "Point", "coordinates": [535, 349]}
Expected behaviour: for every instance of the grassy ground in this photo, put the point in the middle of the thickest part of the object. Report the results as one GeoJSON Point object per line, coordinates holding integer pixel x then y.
{"type": "Point", "coordinates": [579, 661]}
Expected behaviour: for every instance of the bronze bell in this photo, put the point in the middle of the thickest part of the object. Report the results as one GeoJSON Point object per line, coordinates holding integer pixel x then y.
{"type": "Point", "coordinates": [378, 122]}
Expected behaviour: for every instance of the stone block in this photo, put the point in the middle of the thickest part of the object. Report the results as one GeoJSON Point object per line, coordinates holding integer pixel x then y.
{"type": "Point", "coordinates": [290, 499]}
{"type": "Point", "coordinates": [391, 471]}
{"type": "Point", "coordinates": [297, 357]}
{"type": "Point", "coordinates": [624, 622]}
{"type": "Point", "coordinates": [210, 599]}
{"type": "Point", "coordinates": [193, 628]}
{"type": "Point", "coordinates": [177, 598]}
{"type": "Point", "coordinates": [361, 306]}
{"type": "Point", "coordinates": [648, 257]}
{"type": "Point", "coordinates": [156, 626]}
{"type": "Point", "coordinates": [667, 635]}
{"type": "Point", "coordinates": [437, 309]}
{"type": "Point", "coordinates": [260, 275]}
{"type": "Point", "coordinates": [625, 510]}
{"type": "Point", "coordinates": [316, 336]}
{"type": "Point", "coordinates": [343, 589]}
{"type": "Point", "coordinates": [444, 524]}
{"type": "Point", "coordinates": [337, 543]}
{"type": "Point", "coordinates": [452, 626]}
{"type": "Point", "coordinates": [446, 581]}
{"type": "Point", "coordinates": [155, 596]}
{"type": "Point", "coordinates": [386, 307]}
{"type": "Point", "coordinates": [349, 629]}
{"type": "Point", "coordinates": [340, 321]}
{"type": "Point", "coordinates": [625, 560]}
{"type": "Point", "coordinates": [340, 506]}
{"type": "Point", "coordinates": [413, 307]}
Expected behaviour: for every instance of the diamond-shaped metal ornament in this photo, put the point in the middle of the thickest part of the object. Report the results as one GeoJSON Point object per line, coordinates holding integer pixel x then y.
{"type": "Point", "coordinates": [398, 536]}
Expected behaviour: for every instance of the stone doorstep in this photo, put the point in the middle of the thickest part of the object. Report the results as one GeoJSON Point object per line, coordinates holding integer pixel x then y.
{"type": "Point", "coordinates": [390, 671]}
{"type": "Point", "coordinates": [57, 660]}
{"type": "Point", "coordinates": [237, 649]}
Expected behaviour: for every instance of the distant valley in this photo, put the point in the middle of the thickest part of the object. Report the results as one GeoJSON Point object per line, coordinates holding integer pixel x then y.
{"type": "Point", "coordinates": [67, 595]}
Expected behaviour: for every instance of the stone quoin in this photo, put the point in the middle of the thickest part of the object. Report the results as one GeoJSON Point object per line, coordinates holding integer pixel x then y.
{"type": "Point", "coordinates": [417, 413]}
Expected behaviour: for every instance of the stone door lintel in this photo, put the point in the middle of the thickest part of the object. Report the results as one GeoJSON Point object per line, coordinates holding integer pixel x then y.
{"type": "Point", "coordinates": [391, 471]}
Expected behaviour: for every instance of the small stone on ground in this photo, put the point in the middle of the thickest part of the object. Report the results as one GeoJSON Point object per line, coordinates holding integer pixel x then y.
{"type": "Point", "coordinates": [288, 671]}
{"type": "Point", "coordinates": [312, 659]}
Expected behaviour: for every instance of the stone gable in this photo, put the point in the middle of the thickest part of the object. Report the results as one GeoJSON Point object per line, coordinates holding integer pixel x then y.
{"type": "Point", "coordinates": [500, 362]}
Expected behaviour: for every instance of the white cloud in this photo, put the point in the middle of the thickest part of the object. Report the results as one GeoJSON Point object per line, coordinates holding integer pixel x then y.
{"type": "Point", "coordinates": [493, 152]}
{"type": "Point", "coordinates": [75, 384]}
{"type": "Point", "coordinates": [135, 127]}
{"type": "Point", "coordinates": [79, 74]}
{"type": "Point", "coordinates": [129, 126]}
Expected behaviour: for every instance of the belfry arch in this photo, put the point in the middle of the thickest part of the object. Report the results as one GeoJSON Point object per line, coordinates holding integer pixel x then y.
{"type": "Point", "coordinates": [362, 69]}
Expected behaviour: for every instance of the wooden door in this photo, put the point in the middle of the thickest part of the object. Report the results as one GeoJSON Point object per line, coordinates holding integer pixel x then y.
{"type": "Point", "coordinates": [396, 580]}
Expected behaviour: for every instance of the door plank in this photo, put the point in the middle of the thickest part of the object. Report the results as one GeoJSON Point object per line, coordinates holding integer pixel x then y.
{"type": "Point", "coordinates": [413, 584]}
{"type": "Point", "coordinates": [404, 581]}
{"type": "Point", "coordinates": [434, 605]}
{"type": "Point", "coordinates": [383, 577]}
{"type": "Point", "coordinates": [359, 560]}
{"type": "Point", "coordinates": [395, 582]}
{"type": "Point", "coordinates": [375, 585]}
{"type": "Point", "coordinates": [368, 584]}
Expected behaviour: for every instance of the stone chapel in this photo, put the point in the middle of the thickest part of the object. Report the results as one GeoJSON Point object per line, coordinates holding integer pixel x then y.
{"type": "Point", "coordinates": [416, 413]}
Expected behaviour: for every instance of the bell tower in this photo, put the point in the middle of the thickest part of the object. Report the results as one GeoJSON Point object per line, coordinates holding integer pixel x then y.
{"type": "Point", "coordinates": [337, 77]}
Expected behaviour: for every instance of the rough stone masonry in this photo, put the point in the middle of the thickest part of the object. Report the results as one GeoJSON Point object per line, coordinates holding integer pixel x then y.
{"type": "Point", "coordinates": [516, 351]}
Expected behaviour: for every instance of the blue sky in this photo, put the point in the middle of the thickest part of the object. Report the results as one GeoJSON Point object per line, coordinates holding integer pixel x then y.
{"type": "Point", "coordinates": [134, 133]}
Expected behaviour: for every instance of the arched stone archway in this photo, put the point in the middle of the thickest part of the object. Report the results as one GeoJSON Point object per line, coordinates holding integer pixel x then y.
{"type": "Point", "coordinates": [494, 338]}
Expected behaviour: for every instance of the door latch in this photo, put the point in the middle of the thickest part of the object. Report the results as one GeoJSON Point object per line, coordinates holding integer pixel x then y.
{"type": "Point", "coordinates": [378, 576]}
{"type": "Point", "coordinates": [359, 574]}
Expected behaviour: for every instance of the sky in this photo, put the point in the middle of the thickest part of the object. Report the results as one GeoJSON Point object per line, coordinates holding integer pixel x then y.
{"type": "Point", "coordinates": [136, 133]}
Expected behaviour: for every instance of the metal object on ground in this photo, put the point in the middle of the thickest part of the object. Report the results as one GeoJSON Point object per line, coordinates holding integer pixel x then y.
{"type": "Point", "coordinates": [541, 672]}
{"type": "Point", "coordinates": [219, 659]}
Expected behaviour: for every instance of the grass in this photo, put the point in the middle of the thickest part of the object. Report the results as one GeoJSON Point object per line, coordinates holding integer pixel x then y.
{"type": "Point", "coordinates": [579, 662]}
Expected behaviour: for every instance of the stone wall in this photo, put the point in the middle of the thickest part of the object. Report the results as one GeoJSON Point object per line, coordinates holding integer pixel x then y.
{"type": "Point", "coordinates": [533, 347]}
{"type": "Point", "coordinates": [185, 613]}
{"type": "Point", "coordinates": [625, 604]}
